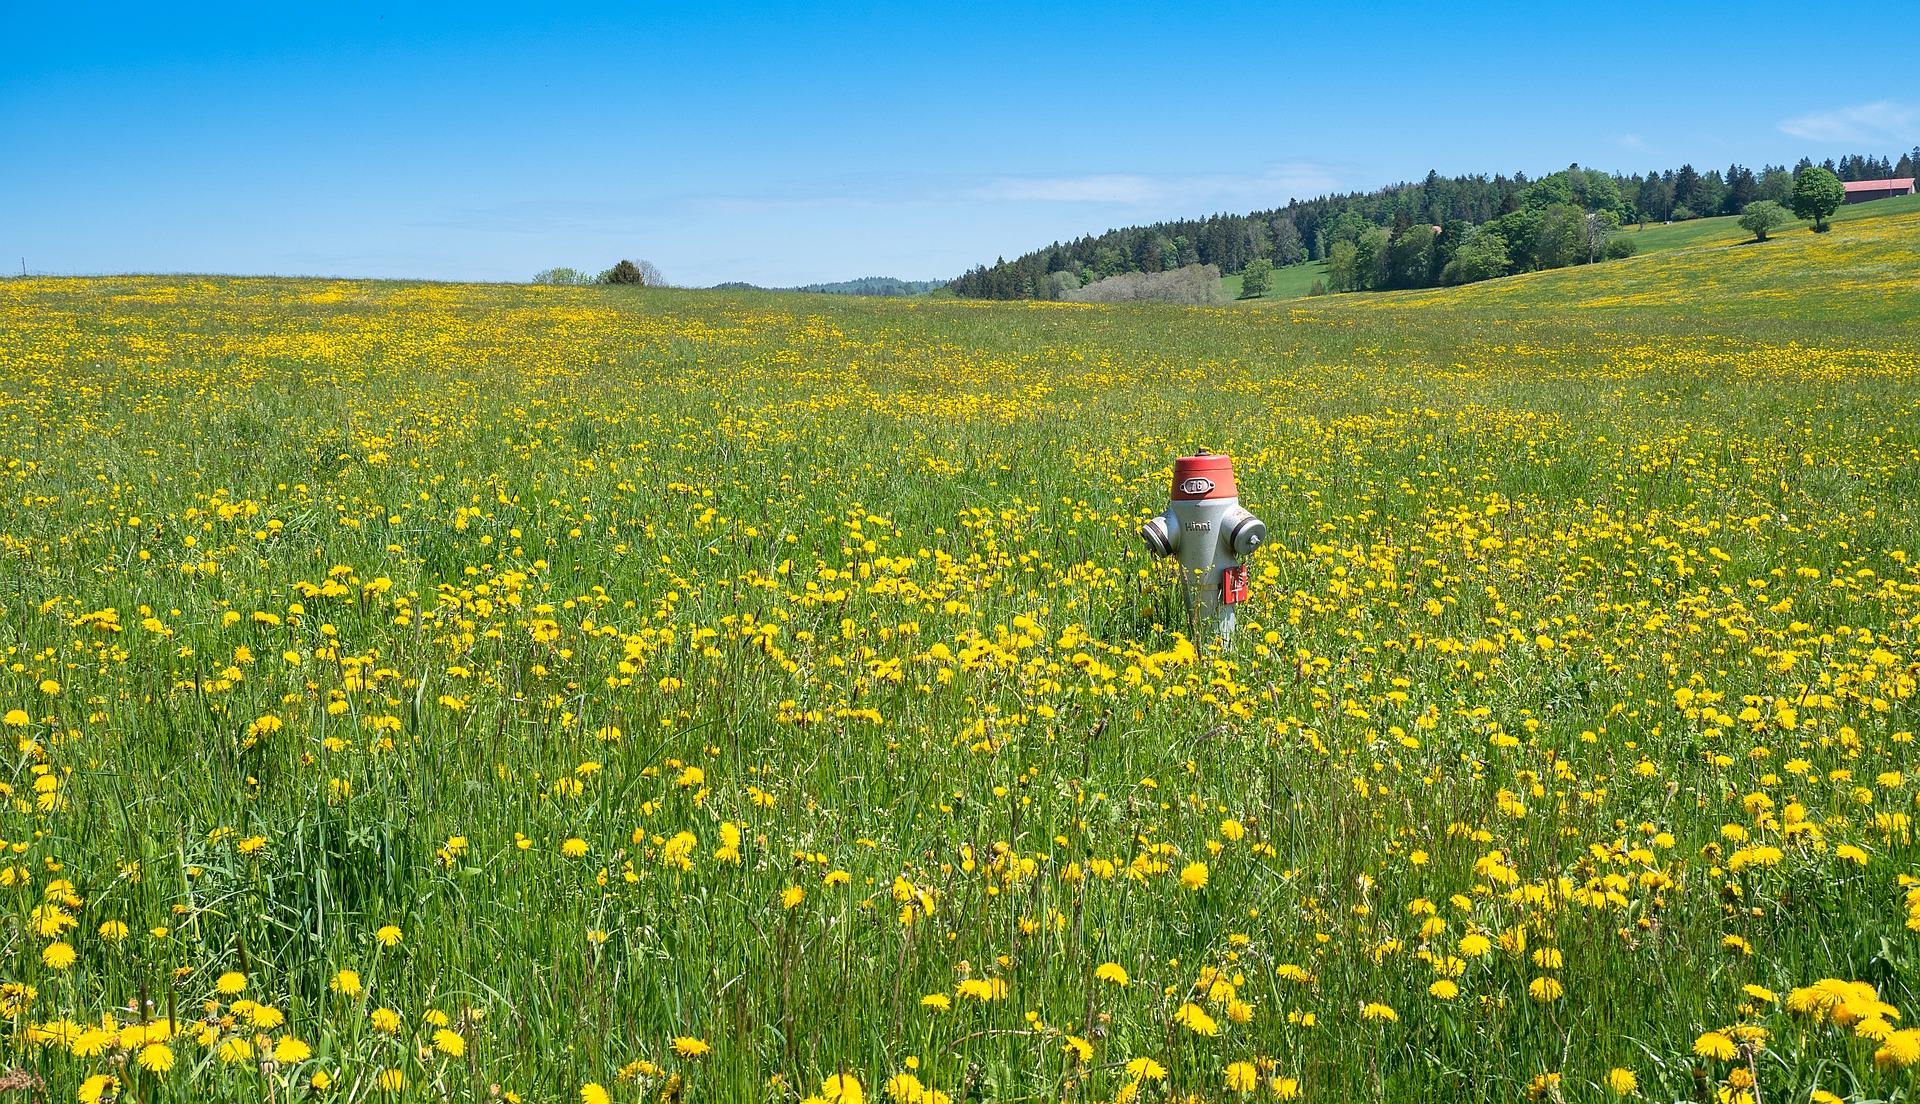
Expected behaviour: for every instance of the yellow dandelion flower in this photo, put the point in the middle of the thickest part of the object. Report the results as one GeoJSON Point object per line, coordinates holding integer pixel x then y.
{"type": "Point", "coordinates": [1900, 1049]}
{"type": "Point", "coordinates": [905, 1088]}
{"type": "Point", "coordinates": [1242, 1077]}
{"type": "Point", "coordinates": [1145, 1069]}
{"type": "Point", "coordinates": [1712, 1044]}
{"type": "Point", "coordinates": [1875, 1028]}
{"type": "Point", "coordinates": [1195, 1019]}
{"type": "Point", "coordinates": [156, 1058]}
{"type": "Point", "coordinates": [843, 1088]}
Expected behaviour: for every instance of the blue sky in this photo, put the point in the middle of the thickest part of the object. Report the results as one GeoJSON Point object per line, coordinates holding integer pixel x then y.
{"type": "Point", "coordinates": [797, 142]}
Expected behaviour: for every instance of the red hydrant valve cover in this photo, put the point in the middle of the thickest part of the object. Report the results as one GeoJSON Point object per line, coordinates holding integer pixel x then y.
{"type": "Point", "coordinates": [1233, 585]}
{"type": "Point", "coordinates": [1203, 476]}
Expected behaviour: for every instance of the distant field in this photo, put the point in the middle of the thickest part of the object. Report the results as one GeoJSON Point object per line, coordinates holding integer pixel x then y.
{"type": "Point", "coordinates": [1291, 282]}
{"type": "Point", "coordinates": [425, 692]}
{"type": "Point", "coordinates": [1867, 268]}
{"type": "Point", "coordinates": [1726, 229]}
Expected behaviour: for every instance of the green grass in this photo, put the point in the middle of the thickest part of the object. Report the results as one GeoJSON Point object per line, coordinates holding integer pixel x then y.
{"type": "Point", "coordinates": [571, 632]}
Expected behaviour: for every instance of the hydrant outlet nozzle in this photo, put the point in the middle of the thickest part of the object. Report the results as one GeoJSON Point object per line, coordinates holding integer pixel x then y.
{"type": "Point", "coordinates": [1159, 536]}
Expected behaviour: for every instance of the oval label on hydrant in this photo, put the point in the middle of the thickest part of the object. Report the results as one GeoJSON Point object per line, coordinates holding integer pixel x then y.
{"type": "Point", "coordinates": [1198, 485]}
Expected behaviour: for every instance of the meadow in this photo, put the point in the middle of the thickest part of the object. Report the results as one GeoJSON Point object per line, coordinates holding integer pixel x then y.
{"type": "Point", "coordinates": [427, 692]}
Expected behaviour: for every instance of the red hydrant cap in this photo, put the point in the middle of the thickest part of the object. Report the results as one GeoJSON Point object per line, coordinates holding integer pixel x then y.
{"type": "Point", "coordinates": [1203, 476]}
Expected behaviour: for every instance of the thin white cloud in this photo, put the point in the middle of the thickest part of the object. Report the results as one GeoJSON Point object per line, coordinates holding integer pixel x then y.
{"type": "Point", "coordinates": [1098, 188]}
{"type": "Point", "coordinates": [1883, 121]}
{"type": "Point", "coordinates": [1632, 142]}
{"type": "Point", "coordinates": [1272, 187]}
{"type": "Point", "coordinates": [1190, 193]}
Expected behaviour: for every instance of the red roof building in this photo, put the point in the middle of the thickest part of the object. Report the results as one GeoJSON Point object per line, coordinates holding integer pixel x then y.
{"type": "Point", "coordinates": [1865, 191]}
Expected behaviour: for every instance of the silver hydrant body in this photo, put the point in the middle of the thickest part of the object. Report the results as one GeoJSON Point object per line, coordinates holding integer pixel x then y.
{"type": "Point", "coordinates": [1209, 533]}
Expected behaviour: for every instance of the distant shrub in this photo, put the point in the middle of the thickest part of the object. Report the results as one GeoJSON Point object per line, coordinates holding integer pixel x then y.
{"type": "Point", "coordinates": [1318, 288]}
{"type": "Point", "coordinates": [1193, 285]}
{"type": "Point", "coordinates": [1062, 282]}
{"type": "Point", "coordinates": [1618, 248]}
{"type": "Point", "coordinates": [632, 274]}
{"type": "Point", "coordinates": [561, 277]}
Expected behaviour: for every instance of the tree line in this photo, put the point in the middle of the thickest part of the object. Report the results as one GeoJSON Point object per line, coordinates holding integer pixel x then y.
{"type": "Point", "coordinates": [885, 286]}
{"type": "Point", "coordinates": [1435, 231]}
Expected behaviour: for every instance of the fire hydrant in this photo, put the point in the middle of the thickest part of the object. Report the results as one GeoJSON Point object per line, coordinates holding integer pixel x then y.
{"type": "Point", "coordinates": [1210, 533]}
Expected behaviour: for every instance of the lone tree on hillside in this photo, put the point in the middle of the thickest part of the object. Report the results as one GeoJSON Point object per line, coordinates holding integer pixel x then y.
{"type": "Point", "coordinates": [642, 274]}
{"type": "Point", "coordinates": [1763, 216]}
{"type": "Point", "coordinates": [1256, 278]}
{"type": "Point", "coordinates": [1817, 194]}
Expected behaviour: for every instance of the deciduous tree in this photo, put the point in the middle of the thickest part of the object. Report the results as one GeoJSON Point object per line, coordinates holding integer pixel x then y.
{"type": "Point", "coordinates": [1257, 279]}
{"type": "Point", "coordinates": [1763, 216]}
{"type": "Point", "coordinates": [1817, 194]}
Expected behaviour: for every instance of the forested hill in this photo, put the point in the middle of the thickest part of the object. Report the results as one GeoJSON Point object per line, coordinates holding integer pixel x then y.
{"type": "Point", "coordinates": [1527, 224]}
{"type": "Point", "coordinates": [866, 285]}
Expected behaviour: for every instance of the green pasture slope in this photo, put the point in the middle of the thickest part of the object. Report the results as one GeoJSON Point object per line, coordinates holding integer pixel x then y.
{"type": "Point", "coordinates": [1725, 230]}
{"type": "Point", "coordinates": [1293, 281]}
{"type": "Point", "coordinates": [1861, 272]}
